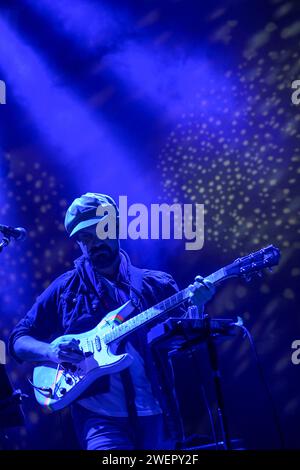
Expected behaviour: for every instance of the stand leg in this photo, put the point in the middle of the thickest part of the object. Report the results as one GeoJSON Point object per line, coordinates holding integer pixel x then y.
{"type": "Point", "coordinates": [213, 357]}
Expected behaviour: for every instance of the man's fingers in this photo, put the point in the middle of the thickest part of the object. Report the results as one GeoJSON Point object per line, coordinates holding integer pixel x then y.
{"type": "Point", "coordinates": [69, 357]}
{"type": "Point", "coordinates": [68, 346]}
{"type": "Point", "coordinates": [209, 285]}
{"type": "Point", "coordinates": [206, 285]}
{"type": "Point", "coordinates": [72, 350]}
{"type": "Point", "coordinates": [192, 288]}
{"type": "Point", "coordinates": [205, 282]}
{"type": "Point", "coordinates": [69, 341]}
{"type": "Point", "coordinates": [202, 290]}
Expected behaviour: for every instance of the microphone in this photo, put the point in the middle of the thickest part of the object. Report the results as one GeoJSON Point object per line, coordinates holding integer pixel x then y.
{"type": "Point", "coordinates": [18, 233]}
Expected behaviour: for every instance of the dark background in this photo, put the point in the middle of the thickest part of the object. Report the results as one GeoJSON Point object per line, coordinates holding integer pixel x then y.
{"type": "Point", "coordinates": [162, 101]}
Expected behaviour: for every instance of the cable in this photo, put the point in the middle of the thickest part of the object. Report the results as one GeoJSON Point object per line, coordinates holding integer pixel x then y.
{"type": "Point", "coordinates": [41, 389]}
{"type": "Point", "coordinates": [211, 419]}
{"type": "Point", "coordinates": [265, 383]}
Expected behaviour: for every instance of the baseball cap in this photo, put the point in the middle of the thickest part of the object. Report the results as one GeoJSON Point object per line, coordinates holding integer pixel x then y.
{"type": "Point", "coordinates": [82, 211]}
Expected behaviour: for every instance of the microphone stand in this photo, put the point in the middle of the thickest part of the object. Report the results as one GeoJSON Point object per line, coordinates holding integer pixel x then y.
{"type": "Point", "coordinates": [195, 312]}
{"type": "Point", "coordinates": [11, 414]}
{"type": "Point", "coordinates": [214, 364]}
{"type": "Point", "coordinates": [4, 243]}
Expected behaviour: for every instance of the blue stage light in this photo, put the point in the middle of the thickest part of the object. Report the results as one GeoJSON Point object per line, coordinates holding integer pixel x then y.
{"type": "Point", "coordinates": [89, 23]}
{"type": "Point", "coordinates": [80, 141]}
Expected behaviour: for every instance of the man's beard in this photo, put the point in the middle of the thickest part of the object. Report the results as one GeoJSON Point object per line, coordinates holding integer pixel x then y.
{"type": "Point", "coordinates": [103, 256]}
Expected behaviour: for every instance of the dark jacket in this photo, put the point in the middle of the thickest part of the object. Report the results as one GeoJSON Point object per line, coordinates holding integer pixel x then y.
{"type": "Point", "coordinates": [73, 304]}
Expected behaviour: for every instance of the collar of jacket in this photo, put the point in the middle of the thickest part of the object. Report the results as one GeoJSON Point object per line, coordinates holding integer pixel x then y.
{"type": "Point", "coordinates": [130, 274]}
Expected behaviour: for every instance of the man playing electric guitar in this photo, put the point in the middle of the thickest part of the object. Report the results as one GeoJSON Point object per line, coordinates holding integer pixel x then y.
{"type": "Point", "coordinates": [130, 409]}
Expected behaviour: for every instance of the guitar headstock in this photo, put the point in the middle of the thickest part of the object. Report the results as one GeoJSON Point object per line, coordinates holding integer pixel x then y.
{"type": "Point", "coordinates": [254, 263]}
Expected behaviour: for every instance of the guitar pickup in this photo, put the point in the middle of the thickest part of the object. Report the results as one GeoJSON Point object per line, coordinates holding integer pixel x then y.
{"type": "Point", "coordinates": [98, 343]}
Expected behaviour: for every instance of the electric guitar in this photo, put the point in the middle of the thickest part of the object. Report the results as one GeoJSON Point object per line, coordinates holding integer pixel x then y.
{"type": "Point", "coordinates": [58, 385]}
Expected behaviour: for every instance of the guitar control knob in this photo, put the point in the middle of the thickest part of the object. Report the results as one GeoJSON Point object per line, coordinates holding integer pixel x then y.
{"type": "Point", "coordinates": [63, 391]}
{"type": "Point", "coordinates": [69, 380]}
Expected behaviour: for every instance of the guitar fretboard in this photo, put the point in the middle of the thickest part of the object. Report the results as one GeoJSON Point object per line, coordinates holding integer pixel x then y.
{"type": "Point", "coordinates": [157, 310]}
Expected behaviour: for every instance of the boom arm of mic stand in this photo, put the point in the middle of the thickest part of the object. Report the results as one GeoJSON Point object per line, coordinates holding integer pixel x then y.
{"type": "Point", "coordinates": [4, 243]}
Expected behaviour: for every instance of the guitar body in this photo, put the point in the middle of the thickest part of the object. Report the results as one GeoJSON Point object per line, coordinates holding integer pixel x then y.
{"type": "Point", "coordinates": [58, 385]}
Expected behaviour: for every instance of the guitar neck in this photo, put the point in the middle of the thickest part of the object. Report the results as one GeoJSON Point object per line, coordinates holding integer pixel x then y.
{"type": "Point", "coordinates": [152, 313]}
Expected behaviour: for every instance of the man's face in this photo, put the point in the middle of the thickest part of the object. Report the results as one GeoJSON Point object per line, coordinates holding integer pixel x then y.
{"type": "Point", "coordinates": [101, 253]}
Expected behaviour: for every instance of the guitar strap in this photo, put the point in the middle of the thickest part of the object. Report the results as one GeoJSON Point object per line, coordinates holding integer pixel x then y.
{"type": "Point", "coordinates": [136, 281]}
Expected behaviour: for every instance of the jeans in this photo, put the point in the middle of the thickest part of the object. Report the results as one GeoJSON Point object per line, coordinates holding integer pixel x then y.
{"type": "Point", "coordinates": [97, 432]}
